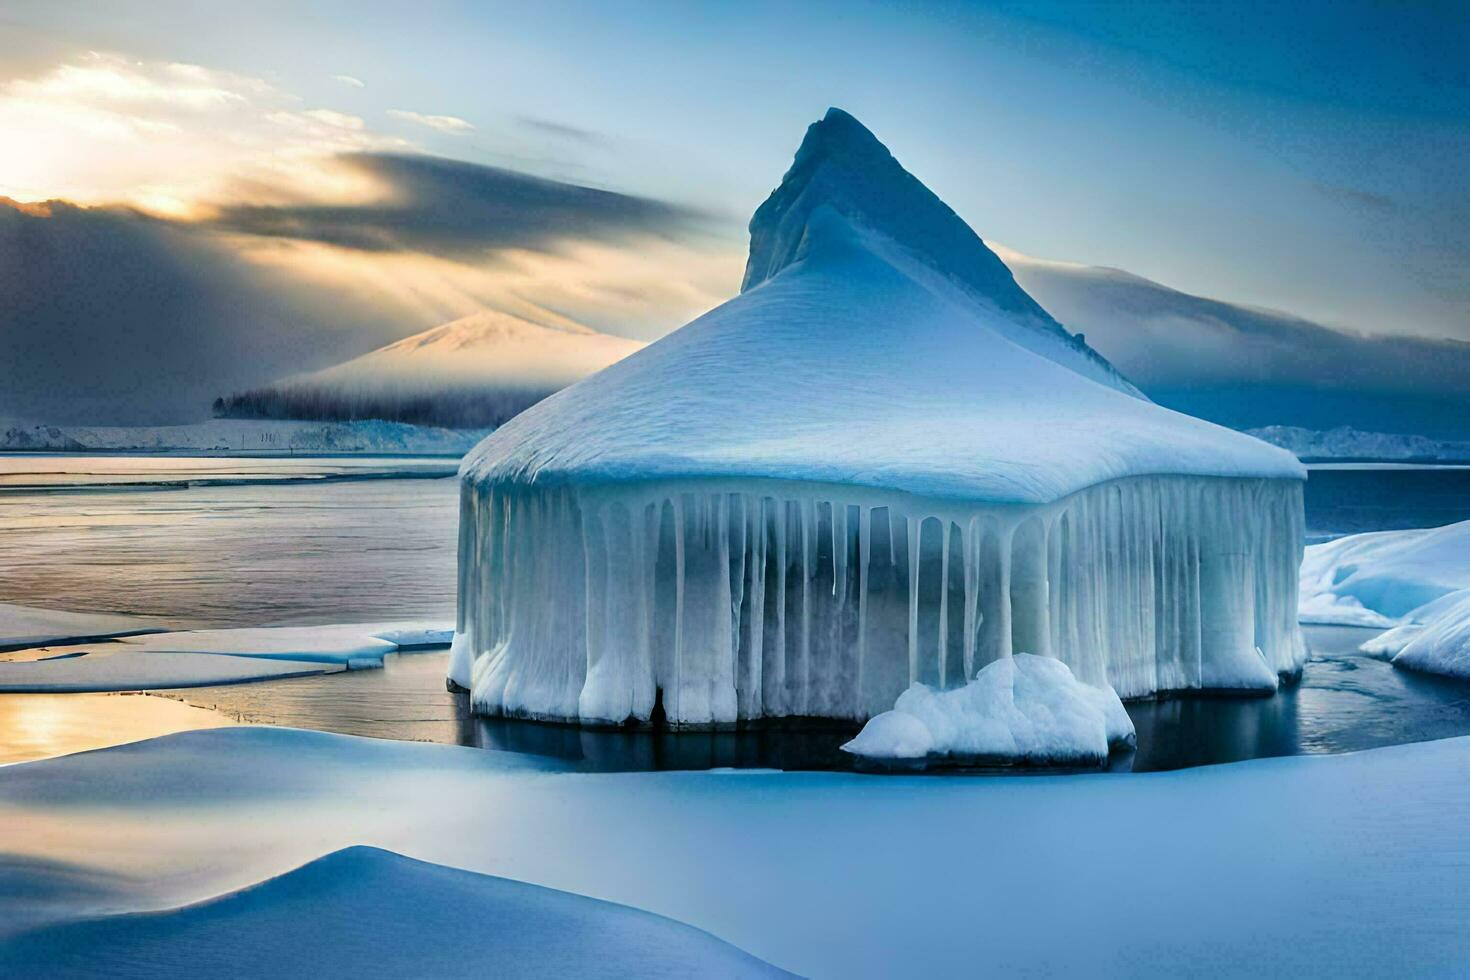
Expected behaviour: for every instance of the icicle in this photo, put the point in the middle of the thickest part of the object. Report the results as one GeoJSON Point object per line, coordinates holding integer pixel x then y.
{"type": "Point", "coordinates": [582, 604]}
{"type": "Point", "coordinates": [944, 605]}
{"type": "Point", "coordinates": [914, 528]}
{"type": "Point", "coordinates": [808, 518]}
{"type": "Point", "coordinates": [865, 547]}
{"type": "Point", "coordinates": [783, 558]}
{"type": "Point", "coordinates": [673, 693]}
{"type": "Point", "coordinates": [971, 553]}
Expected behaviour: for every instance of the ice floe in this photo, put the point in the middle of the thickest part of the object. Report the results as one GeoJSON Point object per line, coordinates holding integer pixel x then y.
{"type": "Point", "coordinates": [29, 626]}
{"type": "Point", "coordinates": [198, 658]}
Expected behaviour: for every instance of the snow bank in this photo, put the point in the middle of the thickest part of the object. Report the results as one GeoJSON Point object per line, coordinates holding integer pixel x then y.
{"type": "Point", "coordinates": [1383, 577]}
{"type": "Point", "coordinates": [364, 912]}
{"type": "Point", "coordinates": [1415, 582]}
{"type": "Point", "coordinates": [881, 464]}
{"type": "Point", "coordinates": [202, 658]}
{"type": "Point", "coordinates": [1025, 709]}
{"type": "Point", "coordinates": [28, 626]}
{"type": "Point", "coordinates": [245, 435]}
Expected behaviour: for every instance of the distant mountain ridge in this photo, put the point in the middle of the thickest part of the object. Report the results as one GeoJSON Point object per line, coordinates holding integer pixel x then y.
{"type": "Point", "coordinates": [1347, 443]}
{"type": "Point", "coordinates": [474, 372]}
{"type": "Point", "coordinates": [1249, 367]}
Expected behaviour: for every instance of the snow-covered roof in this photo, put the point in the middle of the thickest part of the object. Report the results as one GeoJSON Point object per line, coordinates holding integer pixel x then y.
{"type": "Point", "coordinates": [877, 343]}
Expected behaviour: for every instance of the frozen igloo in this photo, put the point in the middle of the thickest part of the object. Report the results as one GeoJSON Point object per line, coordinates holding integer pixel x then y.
{"type": "Point", "coordinates": [882, 463]}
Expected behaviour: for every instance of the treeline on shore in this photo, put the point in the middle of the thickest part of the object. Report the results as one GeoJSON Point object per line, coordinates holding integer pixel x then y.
{"type": "Point", "coordinates": [467, 407]}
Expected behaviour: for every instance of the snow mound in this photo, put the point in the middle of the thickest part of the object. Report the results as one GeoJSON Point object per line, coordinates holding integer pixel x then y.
{"type": "Point", "coordinates": [1442, 644]}
{"type": "Point", "coordinates": [880, 464]}
{"type": "Point", "coordinates": [1382, 577]}
{"type": "Point", "coordinates": [28, 626]}
{"type": "Point", "coordinates": [203, 658]}
{"type": "Point", "coordinates": [1026, 709]}
{"type": "Point", "coordinates": [363, 912]}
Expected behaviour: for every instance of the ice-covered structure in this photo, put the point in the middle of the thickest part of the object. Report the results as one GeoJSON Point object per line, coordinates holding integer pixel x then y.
{"type": "Point", "coordinates": [882, 463]}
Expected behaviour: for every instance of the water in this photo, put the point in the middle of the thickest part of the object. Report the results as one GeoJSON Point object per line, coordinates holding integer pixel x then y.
{"type": "Point", "coordinates": [1349, 498]}
{"type": "Point", "coordinates": [220, 555]}
{"type": "Point", "coordinates": [320, 552]}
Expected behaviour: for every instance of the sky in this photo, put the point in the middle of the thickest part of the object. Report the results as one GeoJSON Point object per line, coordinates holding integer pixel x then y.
{"type": "Point", "coordinates": [318, 179]}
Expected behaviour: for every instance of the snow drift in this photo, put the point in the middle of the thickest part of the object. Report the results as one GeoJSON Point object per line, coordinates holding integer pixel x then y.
{"type": "Point", "coordinates": [368, 913]}
{"type": "Point", "coordinates": [881, 464]}
{"type": "Point", "coordinates": [474, 372]}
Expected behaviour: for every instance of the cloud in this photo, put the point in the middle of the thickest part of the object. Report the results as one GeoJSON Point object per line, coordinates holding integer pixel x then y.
{"type": "Point", "coordinates": [223, 234]}
{"type": "Point", "coordinates": [454, 209]}
{"type": "Point", "coordinates": [163, 136]}
{"type": "Point", "coordinates": [108, 314]}
{"type": "Point", "coordinates": [348, 80]}
{"type": "Point", "coordinates": [1356, 197]}
{"type": "Point", "coordinates": [445, 124]}
{"type": "Point", "coordinates": [1248, 367]}
{"type": "Point", "coordinates": [550, 127]}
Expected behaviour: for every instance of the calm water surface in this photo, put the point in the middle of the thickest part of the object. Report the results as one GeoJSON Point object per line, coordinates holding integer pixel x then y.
{"type": "Point", "coordinates": [252, 554]}
{"type": "Point", "coordinates": [255, 553]}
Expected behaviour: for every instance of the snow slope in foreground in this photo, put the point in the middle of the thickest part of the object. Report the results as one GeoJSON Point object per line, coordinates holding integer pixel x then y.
{"type": "Point", "coordinates": [244, 436]}
{"type": "Point", "coordinates": [362, 912]}
{"type": "Point", "coordinates": [1311, 866]}
{"type": "Point", "coordinates": [202, 658]}
{"type": "Point", "coordinates": [1415, 584]}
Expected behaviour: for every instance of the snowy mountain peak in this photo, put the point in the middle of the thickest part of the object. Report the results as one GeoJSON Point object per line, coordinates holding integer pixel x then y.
{"type": "Point", "coordinates": [485, 329]}
{"type": "Point", "coordinates": [842, 168]}
{"type": "Point", "coordinates": [842, 165]}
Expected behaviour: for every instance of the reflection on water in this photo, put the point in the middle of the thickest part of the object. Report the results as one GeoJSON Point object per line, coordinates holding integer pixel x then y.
{"type": "Point", "coordinates": [1346, 701]}
{"type": "Point", "coordinates": [38, 726]}
{"type": "Point", "coordinates": [25, 472]}
{"type": "Point", "coordinates": [237, 555]}
{"type": "Point", "coordinates": [1342, 704]}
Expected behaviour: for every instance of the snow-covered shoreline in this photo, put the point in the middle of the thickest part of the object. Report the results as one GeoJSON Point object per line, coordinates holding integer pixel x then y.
{"type": "Point", "coordinates": [1414, 585]}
